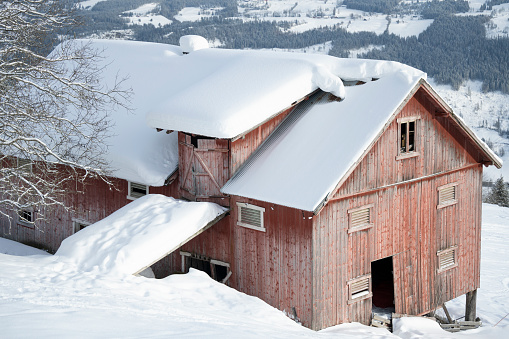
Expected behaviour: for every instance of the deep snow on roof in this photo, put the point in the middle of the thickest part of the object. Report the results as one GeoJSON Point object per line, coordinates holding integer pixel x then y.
{"type": "Point", "coordinates": [309, 153]}
{"type": "Point", "coordinates": [213, 92]}
{"type": "Point", "coordinates": [138, 234]}
{"type": "Point", "coordinates": [224, 93]}
{"type": "Point", "coordinates": [136, 152]}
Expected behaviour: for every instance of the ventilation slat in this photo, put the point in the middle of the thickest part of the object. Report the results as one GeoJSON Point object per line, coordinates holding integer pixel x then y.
{"type": "Point", "coordinates": [447, 259]}
{"type": "Point", "coordinates": [447, 195]}
{"type": "Point", "coordinates": [360, 218]}
{"type": "Point", "coordinates": [251, 216]}
{"type": "Point", "coordinates": [360, 286]}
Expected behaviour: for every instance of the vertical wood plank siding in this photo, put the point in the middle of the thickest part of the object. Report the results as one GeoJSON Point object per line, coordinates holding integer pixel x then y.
{"type": "Point", "coordinates": [275, 265]}
{"type": "Point", "coordinates": [91, 201]}
{"type": "Point", "coordinates": [242, 148]}
{"type": "Point", "coordinates": [407, 224]}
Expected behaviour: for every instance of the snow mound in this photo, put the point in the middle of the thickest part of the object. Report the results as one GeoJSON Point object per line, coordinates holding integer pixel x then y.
{"type": "Point", "coordinates": [138, 234]}
{"type": "Point", "coordinates": [190, 43]}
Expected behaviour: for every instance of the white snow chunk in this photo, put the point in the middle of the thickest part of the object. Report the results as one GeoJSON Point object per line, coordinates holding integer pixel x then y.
{"type": "Point", "coordinates": [15, 248]}
{"type": "Point", "coordinates": [138, 234]}
{"type": "Point", "coordinates": [190, 43]}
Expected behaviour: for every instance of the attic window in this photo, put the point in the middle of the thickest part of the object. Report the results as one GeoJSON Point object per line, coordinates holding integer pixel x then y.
{"type": "Point", "coordinates": [447, 259]}
{"type": "Point", "coordinates": [407, 137]}
{"type": "Point", "coordinates": [250, 216]}
{"type": "Point", "coordinates": [136, 190]}
{"type": "Point", "coordinates": [447, 195]}
{"type": "Point", "coordinates": [359, 289]}
{"type": "Point", "coordinates": [24, 164]}
{"type": "Point", "coordinates": [360, 218]}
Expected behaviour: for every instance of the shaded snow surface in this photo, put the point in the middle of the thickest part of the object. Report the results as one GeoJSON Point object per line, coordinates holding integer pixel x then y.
{"type": "Point", "coordinates": [47, 297]}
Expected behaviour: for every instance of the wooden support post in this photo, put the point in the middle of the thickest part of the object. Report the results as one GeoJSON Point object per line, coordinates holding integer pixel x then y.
{"type": "Point", "coordinates": [449, 319]}
{"type": "Point", "coordinates": [470, 306]}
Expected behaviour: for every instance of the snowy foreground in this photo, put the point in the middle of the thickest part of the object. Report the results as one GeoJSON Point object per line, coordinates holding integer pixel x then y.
{"type": "Point", "coordinates": [47, 296]}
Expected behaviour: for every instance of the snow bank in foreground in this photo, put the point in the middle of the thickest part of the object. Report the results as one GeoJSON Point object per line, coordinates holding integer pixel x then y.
{"type": "Point", "coordinates": [44, 297]}
{"type": "Point", "coordinates": [138, 234]}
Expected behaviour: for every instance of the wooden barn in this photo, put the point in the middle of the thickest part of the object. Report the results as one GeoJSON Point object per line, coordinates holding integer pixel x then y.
{"type": "Point", "coordinates": [350, 183]}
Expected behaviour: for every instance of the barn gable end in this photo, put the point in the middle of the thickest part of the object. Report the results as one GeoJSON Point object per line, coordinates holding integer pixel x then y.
{"type": "Point", "coordinates": [409, 226]}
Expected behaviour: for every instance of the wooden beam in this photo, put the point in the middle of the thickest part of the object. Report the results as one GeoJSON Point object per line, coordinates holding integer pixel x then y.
{"type": "Point", "coordinates": [470, 306]}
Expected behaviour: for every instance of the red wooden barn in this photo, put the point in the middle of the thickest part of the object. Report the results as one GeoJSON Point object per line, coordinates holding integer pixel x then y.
{"type": "Point", "coordinates": [350, 183]}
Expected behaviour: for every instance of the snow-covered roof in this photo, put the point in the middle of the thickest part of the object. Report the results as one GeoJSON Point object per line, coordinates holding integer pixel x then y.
{"type": "Point", "coordinates": [311, 151]}
{"type": "Point", "coordinates": [225, 93]}
{"type": "Point", "coordinates": [138, 234]}
{"type": "Point", "coordinates": [136, 152]}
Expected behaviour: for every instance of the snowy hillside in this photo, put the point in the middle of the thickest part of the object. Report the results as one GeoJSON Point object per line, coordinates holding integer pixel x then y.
{"type": "Point", "coordinates": [487, 114]}
{"type": "Point", "coordinates": [45, 297]}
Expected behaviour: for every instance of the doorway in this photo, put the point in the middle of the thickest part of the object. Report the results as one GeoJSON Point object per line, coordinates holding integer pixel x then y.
{"type": "Point", "coordinates": [382, 283]}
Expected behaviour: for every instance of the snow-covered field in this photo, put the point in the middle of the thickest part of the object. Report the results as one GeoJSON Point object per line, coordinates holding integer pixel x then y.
{"type": "Point", "coordinates": [47, 296]}
{"type": "Point", "coordinates": [196, 13]}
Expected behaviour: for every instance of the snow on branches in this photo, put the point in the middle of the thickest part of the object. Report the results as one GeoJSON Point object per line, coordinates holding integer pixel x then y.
{"type": "Point", "coordinates": [53, 106]}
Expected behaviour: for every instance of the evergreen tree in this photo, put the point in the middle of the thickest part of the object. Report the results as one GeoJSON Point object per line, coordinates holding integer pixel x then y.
{"type": "Point", "coordinates": [499, 194]}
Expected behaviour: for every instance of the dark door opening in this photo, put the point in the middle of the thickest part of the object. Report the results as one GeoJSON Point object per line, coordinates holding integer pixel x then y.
{"type": "Point", "coordinates": [382, 281]}
{"type": "Point", "coordinates": [215, 269]}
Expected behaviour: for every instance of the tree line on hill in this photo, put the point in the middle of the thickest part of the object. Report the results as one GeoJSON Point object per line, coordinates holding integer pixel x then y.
{"type": "Point", "coordinates": [488, 5]}
{"type": "Point", "coordinates": [451, 50]}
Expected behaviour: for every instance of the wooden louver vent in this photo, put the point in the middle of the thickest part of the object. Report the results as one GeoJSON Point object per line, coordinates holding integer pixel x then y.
{"type": "Point", "coordinates": [359, 288]}
{"type": "Point", "coordinates": [447, 259]}
{"type": "Point", "coordinates": [137, 190]}
{"type": "Point", "coordinates": [360, 218]}
{"type": "Point", "coordinates": [447, 195]}
{"type": "Point", "coordinates": [251, 216]}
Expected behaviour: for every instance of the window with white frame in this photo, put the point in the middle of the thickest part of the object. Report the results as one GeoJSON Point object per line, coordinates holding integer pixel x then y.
{"type": "Point", "coordinates": [26, 217]}
{"type": "Point", "coordinates": [359, 288]}
{"type": "Point", "coordinates": [360, 218]}
{"type": "Point", "coordinates": [136, 190]}
{"type": "Point", "coordinates": [447, 195]}
{"type": "Point", "coordinates": [250, 216]}
{"type": "Point", "coordinates": [407, 137]}
{"type": "Point", "coordinates": [447, 258]}
{"type": "Point", "coordinates": [24, 164]}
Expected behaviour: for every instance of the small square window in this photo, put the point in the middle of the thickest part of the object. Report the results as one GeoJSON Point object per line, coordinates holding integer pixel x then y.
{"type": "Point", "coordinates": [26, 217]}
{"type": "Point", "coordinates": [447, 259]}
{"type": "Point", "coordinates": [359, 289]}
{"type": "Point", "coordinates": [360, 218]}
{"type": "Point", "coordinates": [407, 137]}
{"type": "Point", "coordinates": [250, 216]}
{"type": "Point", "coordinates": [78, 225]}
{"type": "Point", "coordinates": [447, 195]}
{"type": "Point", "coordinates": [136, 190]}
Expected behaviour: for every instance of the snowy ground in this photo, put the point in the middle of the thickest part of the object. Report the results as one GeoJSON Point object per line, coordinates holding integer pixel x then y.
{"type": "Point", "coordinates": [44, 296]}
{"type": "Point", "coordinates": [146, 15]}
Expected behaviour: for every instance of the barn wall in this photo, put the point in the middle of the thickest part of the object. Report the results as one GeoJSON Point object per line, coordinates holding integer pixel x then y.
{"type": "Point", "coordinates": [407, 224]}
{"type": "Point", "coordinates": [439, 152]}
{"type": "Point", "coordinates": [242, 148]}
{"type": "Point", "coordinates": [90, 202]}
{"type": "Point", "coordinates": [275, 265]}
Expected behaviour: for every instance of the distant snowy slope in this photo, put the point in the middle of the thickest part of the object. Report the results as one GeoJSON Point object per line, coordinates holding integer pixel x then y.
{"type": "Point", "coordinates": [482, 111]}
